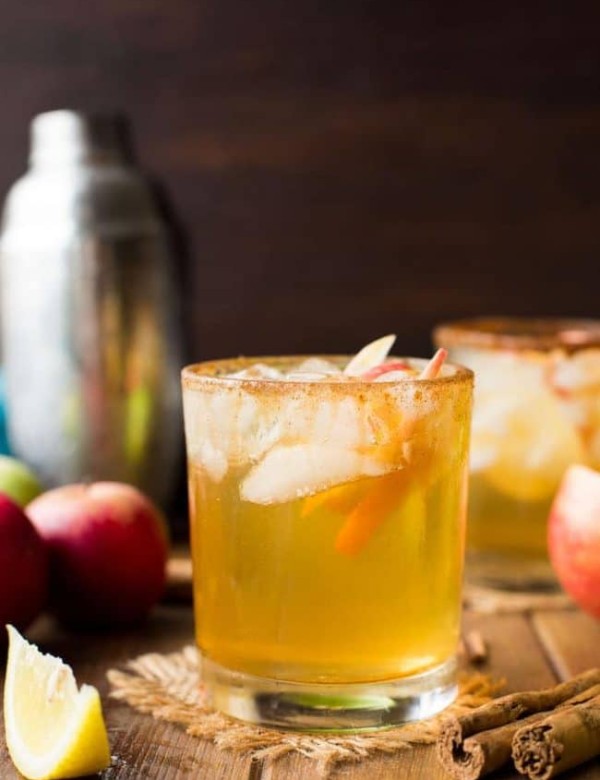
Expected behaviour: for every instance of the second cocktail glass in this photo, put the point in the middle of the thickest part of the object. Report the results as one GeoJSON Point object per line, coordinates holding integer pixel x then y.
{"type": "Point", "coordinates": [537, 411]}
{"type": "Point", "coordinates": [327, 524]}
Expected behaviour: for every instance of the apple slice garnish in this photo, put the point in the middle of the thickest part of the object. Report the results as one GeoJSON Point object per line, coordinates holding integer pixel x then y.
{"type": "Point", "coordinates": [370, 513]}
{"type": "Point", "coordinates": [433, 368]}
{"type": "Point", "coordinates": [396, 366]}
{"type": "Point", "coordinates": [370, 356]}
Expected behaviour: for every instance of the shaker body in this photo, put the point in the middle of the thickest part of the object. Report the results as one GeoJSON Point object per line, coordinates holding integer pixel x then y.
{"type": "Point", "coordinates": [90, 328]}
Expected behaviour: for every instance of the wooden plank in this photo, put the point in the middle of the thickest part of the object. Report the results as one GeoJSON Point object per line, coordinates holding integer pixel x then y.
{"type": "Point", "coordinates": [418, 761]}
{"type": "Point", "coordinates": [148, 748]}
{"type": "Point", "coordinates": [570, 639]}
{"type": "Point", "coordinates": [514, 652]}
{"type": "Point", "coordinates": [145, 748]}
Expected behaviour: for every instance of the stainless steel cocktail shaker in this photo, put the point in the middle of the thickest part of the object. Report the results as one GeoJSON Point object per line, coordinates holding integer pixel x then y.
{"type": "Point", "coordinates": [91, 342]}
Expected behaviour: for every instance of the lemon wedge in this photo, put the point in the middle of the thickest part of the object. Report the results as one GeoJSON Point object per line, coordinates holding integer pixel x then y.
{"type": "Point", "coordinates": [53, 729]}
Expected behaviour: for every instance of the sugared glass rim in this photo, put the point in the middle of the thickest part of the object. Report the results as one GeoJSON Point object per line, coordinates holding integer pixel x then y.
{"type": "Point", "coordinates": [197, 375]}
{"type": "Point", "coordinates": [514, 333]}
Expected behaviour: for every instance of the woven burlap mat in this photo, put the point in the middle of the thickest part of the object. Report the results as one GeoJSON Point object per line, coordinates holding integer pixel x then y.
{"type": "Point", "coordinates": [169, 687]}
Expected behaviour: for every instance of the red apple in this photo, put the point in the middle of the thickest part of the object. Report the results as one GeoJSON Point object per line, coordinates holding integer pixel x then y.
{"type": "Point", "coordinates": [108, 550]}
{"type": "Point", "coordinates": [574, 536]}
{"type": "Point", "coordinates": [23, 568]}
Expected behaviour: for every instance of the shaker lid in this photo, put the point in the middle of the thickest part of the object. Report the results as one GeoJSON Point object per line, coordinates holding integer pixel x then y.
{"type": "Point", "coordinates": [73, 136]}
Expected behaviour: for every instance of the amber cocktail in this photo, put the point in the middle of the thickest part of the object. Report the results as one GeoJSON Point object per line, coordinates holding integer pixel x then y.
{"type": "Point", "coordinates": [537, 411]}
{"type": "Point", "coordinates": [327, 521]}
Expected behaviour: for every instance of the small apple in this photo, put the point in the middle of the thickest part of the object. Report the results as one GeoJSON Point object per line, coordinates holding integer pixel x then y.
{"type": "Point", "coordinates": [23, 567]}
{"type": "Point", "coordinates": [108, 549]}
{"type": "Point", "coordinates": [18, 481]}
{"type": "Point", "coordinates": [574, 536]}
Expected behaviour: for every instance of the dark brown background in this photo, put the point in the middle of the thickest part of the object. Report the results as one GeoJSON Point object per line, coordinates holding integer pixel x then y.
{"type": "Point", "coordinates": [342, 168]}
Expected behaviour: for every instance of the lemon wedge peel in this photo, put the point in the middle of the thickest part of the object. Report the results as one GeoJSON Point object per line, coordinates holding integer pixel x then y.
{"type": "Point", "coordinates": [69, 739]}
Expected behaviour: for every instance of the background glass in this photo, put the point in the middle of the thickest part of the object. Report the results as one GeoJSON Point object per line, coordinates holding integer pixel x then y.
{"type": "Point", "coordinates": [537, 410]}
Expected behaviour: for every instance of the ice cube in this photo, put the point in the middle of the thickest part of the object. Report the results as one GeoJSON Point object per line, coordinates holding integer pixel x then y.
{"type": "Point", "coordinates": [228, 428]}
{"type": "Point", "coordinates": [491, 417]}
{"type": "Point", "coordinates": [241, 426]}
{"type": "Point", "coordinates": [579, 372]}
{"type": "Point", "coordinates": [317, 365]}
{"type": "Point", "coordinates": [257, 371]}
{"type": "Point", "coordinates": [336, 421]}
{"type": "Point", "coordinates": [341, 423]}
{"type": "Point", "coordinates": [200, 437]}
{"type": "Point", "coordinates": [287, 473]}
{"type": "Point", "coordinates": [532, 441]}
{"type": "Point", "coordinates": [210, 460]}
{"type": "Point", "coordinates": [499, 372]}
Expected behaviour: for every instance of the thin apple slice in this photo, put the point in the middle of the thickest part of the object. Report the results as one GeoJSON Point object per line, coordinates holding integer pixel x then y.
{"type": "Point", "coordinates": [368, 515]}
{"type": "Point", "coordinates": [433, 368]}
{"type": "Point", "coordinates": [287, 473]}
{"type": "Point", "coordinates": [391, 367]}
{"type": "Point", "coordinates": [370, 356]}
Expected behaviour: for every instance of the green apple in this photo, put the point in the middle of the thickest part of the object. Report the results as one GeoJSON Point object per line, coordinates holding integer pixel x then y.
{"type": "Point", "coordinates": [18, 481]}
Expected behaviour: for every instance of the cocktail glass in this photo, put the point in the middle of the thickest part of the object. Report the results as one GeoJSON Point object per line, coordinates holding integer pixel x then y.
{"type": "Point", "coordinates": [537, 410]}
{"type": "Point", "coordinates": [327, 521]}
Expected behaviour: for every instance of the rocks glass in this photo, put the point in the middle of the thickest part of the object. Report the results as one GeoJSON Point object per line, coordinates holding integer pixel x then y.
{"type": "Point", "coordinates": [327, 521]}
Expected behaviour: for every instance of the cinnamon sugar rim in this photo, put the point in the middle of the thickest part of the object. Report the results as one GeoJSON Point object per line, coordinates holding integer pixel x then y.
{"type": "Point", "coordinates": [534, 333]}
{"type": "Point", "coordinates": [215, 372]}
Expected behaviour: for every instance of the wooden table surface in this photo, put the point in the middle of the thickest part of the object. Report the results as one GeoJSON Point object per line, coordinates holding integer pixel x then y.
{"type": "Point", "coordinates": [528, 650]}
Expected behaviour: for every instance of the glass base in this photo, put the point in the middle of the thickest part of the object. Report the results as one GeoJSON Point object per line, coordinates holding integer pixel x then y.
{"type": "Point", "coordinates": [502, 571]}
{"type": "Point", "coordinates": [330, 707]}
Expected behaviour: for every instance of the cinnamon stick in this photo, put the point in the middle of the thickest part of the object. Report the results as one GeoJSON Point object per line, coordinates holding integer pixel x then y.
{"type": "Point", "coordinates": [475, 648]}
{"type": "Point", "coordinates": [474, 744]}
{"type": "Point", "coordinates": [564, 739]}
